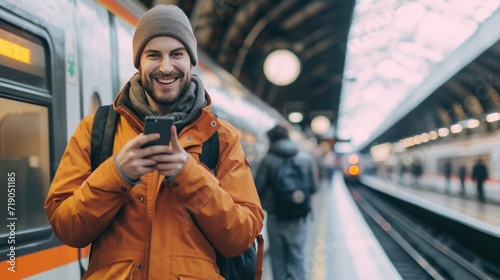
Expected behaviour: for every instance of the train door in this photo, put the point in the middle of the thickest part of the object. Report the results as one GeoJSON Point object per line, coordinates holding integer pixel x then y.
{"type": "Point", "coordinates": [32, 138]}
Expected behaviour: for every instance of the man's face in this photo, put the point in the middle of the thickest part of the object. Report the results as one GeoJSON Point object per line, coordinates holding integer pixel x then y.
{"type": "Point", "coordinates": [165, 68]}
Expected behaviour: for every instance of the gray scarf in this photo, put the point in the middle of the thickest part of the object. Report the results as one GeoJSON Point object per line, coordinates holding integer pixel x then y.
{"type": "Point", "coordinates": [185, 111]}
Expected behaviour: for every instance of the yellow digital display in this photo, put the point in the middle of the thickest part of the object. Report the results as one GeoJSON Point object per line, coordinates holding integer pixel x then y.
{"type": "Point", "coordinates": [23, 56]}
{"type": "Point", "coordinates": [15, 51]}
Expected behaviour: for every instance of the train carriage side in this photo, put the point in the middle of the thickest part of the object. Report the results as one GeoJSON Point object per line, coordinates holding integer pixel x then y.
{"type": "Point", "coordinates": [58, 60]}
{"type": "Point", "coordinates": [458, 151]}
{"type": "Point", "coordinates": [33, 125]}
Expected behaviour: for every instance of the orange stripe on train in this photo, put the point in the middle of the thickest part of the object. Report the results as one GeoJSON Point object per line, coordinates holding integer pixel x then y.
{"type": "Point", "coordinates": [37, 262]}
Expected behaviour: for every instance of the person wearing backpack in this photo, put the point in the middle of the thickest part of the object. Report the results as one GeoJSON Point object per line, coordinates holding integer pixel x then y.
{"type": "Point", "coordinates": [157, 212]}
{"type": "Point", "coordinates": [285, 181]}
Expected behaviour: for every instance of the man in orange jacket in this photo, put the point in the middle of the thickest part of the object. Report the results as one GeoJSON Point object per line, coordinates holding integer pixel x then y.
{"type": "Point", "coordinates": [134, 207]}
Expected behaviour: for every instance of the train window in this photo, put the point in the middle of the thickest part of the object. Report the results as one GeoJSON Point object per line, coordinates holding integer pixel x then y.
{"type": "Point", "coordinates": [24, 165]}
{"type": "Point", "coordinates": [22, 57]}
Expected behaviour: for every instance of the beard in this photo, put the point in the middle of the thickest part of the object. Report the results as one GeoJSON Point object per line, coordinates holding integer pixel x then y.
{"type": "Point", "coordinates": [166, 97]}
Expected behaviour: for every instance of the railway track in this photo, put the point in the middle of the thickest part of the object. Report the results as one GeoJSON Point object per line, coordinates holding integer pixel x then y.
{"type": "Point", "coordinates": [417, 250]}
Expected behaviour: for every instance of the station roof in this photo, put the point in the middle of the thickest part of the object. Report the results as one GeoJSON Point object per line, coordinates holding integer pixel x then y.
{"type": "Point", "coordinates": [416, 66]}
{"type": "Point", "coordinates": [379, 70]}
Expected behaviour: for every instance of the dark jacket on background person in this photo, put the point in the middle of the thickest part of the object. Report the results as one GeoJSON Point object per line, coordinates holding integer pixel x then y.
{"type": "Point", "coordinates": [267, 169]}
{"type": "Point", "coordinates": [479, 171]}
{"type": "Point", "coordinates": [286, 235]}
{"type": "Point", "coordinates": [479, 175]}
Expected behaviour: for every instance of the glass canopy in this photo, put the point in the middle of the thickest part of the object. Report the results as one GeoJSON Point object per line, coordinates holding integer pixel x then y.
{"type": "Point", "coordinates": [393, 48]}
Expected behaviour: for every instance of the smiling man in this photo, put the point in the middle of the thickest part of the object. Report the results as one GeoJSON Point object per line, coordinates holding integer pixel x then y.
{"type": "Point", "coordinates": [165, 73]}
{"type": "Point", "coordinates": [137, 209]}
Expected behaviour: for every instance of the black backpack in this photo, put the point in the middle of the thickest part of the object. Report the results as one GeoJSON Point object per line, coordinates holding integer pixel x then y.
{"type": "Point", "coordinates": [291, 190]}
{"type": "Point", "coordinates": [242, 267]}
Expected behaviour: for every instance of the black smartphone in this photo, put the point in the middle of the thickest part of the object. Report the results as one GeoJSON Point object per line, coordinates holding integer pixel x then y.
{"type": "Point", "coordinates": [161, 125]}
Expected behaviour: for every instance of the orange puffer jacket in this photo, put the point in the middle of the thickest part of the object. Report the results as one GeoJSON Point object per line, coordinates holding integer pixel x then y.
{"type": "Point", "coordinates": [145, 231]}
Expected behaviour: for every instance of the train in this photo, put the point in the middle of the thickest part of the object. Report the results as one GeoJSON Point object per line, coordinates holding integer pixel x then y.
{"type": "Point", "coordinates": [433, 156]}
{"type": "Point", "coordinates": [393, 161]}
{"type": "Point", "coordinates": [352, 165]}
{"type": "Point", "coordinates": [59, 61]}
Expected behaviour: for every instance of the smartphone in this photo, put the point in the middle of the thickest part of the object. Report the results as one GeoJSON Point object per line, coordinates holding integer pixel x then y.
{"type": "Point", "coordinates": [161, 125]}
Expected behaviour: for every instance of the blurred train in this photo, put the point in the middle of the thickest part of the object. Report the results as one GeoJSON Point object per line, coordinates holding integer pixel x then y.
{"type": "Point", "coordinates": [352, 165]}
{"type": "Point", "coordinates": [59, 61]}
{"type": "Point", "coordinates": [456, 150]}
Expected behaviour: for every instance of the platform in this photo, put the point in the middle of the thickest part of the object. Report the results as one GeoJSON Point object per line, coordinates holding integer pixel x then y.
{"type": "Point", "coordinates": [467, 209]}
{"type": "Point", "coordinates": [340, 244]}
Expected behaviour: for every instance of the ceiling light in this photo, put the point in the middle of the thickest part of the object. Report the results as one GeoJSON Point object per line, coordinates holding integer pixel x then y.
{"type": "Point", "coordinates": [493, 117]}
{"type": "Point", "coordinates": [443, 132]}
{"type": "Point", "coordinates": [433, 135]}
{"type": "Point", "coordinates": [456, 128]}
{"type": "Point", "coordinates": [425, 137]}
{"type": "Point", "coordinates": [295, 117]}
{"type": "Point", "coordinates": [320, 125]}
{"type": "Point", "coordinates": [282, 67]}
{"type": "Point", "coordinates": [473, 123]}
{"type": "Point", "coordinates": [417, 140]}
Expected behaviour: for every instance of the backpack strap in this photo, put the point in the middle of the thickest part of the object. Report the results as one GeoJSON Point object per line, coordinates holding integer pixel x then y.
{"type": "Point", "coordinates": [102, 135]}
{"type": "Point", "coordinates": [102, 139]}
{"type": "Point", "coordinates": [248, 265]}
{"type": "Point", "coordinates": [210, 152]}
{"type": "Point", "coordinates": [210, 156]}
{"type": "Point", "coordinates": [260, 257]}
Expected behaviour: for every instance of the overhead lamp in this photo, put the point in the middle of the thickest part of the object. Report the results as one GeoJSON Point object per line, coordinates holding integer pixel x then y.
{"type": "Point", "coordinates": [443, 132]}
{"type": "Point", "coordinates": [456, 128]}
{"type": "Point", "coordinates": [282, 67]}
{"type": "Point", "coordinates": [408, 142]}
{"type": "Point", "coordinates": [417, 140]}
{"type": "Point", "coordinates": [320, 125]}
{"type": "Point", "coordinates": [473, 123]}
{"type": "Point", "coordinates": [493, 117]}
{"type": "Point", "coordinates": [433, 135]}
{"type": "Point", "coordinates": [295, 117]}
{"type": "Point", "coordinates": [425, 137]}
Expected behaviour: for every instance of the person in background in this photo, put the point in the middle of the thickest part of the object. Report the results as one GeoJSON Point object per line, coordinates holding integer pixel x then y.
{"type": "Point", "coordinates": [329, 165]}
{"type": "Point", "coordinates": [402, 171]}
{"type": "Point", "coordinates": [447, 175]}
{"type": "Point", "coordinates": [286, 236]}
{"type": "Point", "coordinates": [479, 175]}
{"type": "Point", "coordinates": [462, 173]}
{"type": "Point", "coordinates": [138, 208]}
{"type": "Point", "coordinates": [416, 170]}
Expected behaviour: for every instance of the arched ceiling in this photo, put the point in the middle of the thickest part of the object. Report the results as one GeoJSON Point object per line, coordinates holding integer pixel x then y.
{"type": "Point", "coordinates": [472, 92]}
{"type": "Point", "coordinates": [240, 34]}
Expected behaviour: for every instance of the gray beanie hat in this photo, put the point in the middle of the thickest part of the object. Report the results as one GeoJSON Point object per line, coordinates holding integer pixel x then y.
{"type": "Point", "coordinates": [164, 20]}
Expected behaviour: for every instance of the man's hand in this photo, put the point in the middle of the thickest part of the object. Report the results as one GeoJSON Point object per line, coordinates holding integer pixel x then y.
{"type": "Point", "coordinates": [169, 163]}
{"type": "Point", "coordinates": [135, 161]}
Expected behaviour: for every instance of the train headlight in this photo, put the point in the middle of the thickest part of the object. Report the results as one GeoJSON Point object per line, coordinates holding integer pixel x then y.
{"type": "Point", "coordinates": [353, 170]}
